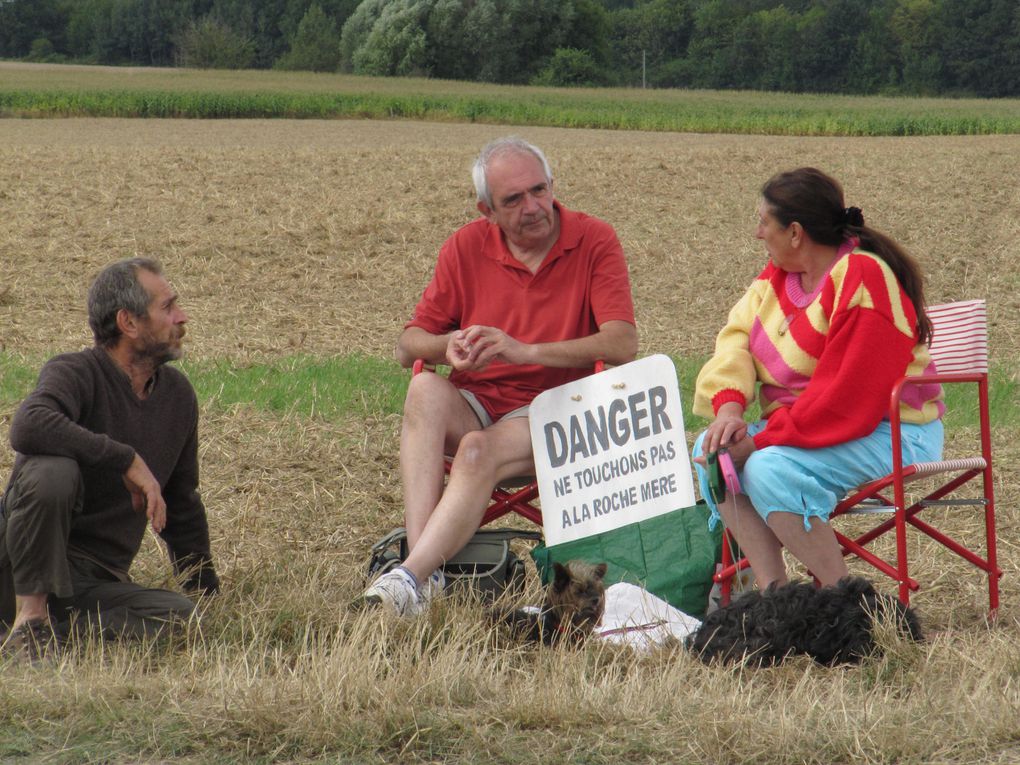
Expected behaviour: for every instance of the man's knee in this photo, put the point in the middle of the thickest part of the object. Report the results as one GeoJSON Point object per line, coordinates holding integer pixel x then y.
{"type": "Point", "coordinates": [157, 613]}
{"type": "Point", "coordinates": [425, 389]}
{"type": "Point", "coordinates": [483, 452]}
{"type": "Point", "coordinates": [168, 605]}
{"type": "Point", "coordinates": [123, 610]}
{"type": "Point", "coordinates": [46, 482]}
{"type": "Point", "coordinates": [474, 451]}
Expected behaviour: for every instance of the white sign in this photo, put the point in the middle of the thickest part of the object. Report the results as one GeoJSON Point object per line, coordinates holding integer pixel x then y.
{"type": "Point", "coordinates": [610, 450]}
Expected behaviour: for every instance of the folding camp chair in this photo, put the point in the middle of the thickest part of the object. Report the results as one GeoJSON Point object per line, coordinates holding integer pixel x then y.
{"type": "Point", "coordinates": [513, 495]}
{"type": "Point", "coordinates": [959, 349]}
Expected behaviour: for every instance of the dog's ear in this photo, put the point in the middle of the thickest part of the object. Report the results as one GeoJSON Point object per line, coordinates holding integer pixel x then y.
{"type": "Point", "coordinates": [859, 587]}
{"type": "Point", "coordinates": [561, 577]}
{"type": "Point", "coordinates": [600, 570]}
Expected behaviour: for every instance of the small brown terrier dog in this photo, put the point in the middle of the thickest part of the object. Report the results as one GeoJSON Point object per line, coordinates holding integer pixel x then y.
{"type": "Point", "coordinates": [574, 604]}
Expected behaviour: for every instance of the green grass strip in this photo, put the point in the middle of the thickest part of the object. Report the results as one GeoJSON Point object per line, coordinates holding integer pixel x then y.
{"type": "Point", "coordinates": [313, 387]}
{"type": "Point", "coordinates": [674, 111]}
{"type": "Point", "coordinates": [360, 385]}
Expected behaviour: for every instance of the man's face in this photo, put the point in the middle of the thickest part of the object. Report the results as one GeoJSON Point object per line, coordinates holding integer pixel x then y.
{"type": "Point", "coordinates": [161, 331]}
{"type": "Point", "coordinates": [522, 200]}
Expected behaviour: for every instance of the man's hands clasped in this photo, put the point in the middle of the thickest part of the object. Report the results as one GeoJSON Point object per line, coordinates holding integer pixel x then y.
{"type": "Point", "coordinates": [475, 347]}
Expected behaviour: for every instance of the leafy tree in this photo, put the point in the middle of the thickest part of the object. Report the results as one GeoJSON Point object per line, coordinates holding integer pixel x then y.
{"type": "Point", "coordinates": [490, 48]}
{"type": "Point", "coordinates": [314, 46]}
{"type": "Point", "coordinates": [657, 33]}
{"type": "Point", "coordinates": [537, 29]}
{"type": "Point", "coordinates": [24, 21]}
{"type": "Point", "coordinates": [451, 53]}
{"type": "Point", "coordinates": [396, 42]}
{"type": "Point", "coordinates": [127, 31]}
{"type": "Point", "coordinates": [357, 29]}
{"type": "Point", "coordinates": [42, 51]}
{"type": "Point", "coordinates": [710, 52]}
{"type": "Point", "coordinates": [763, 53]}
{"type": "Point", "coordinates": [337, 11]}
{"type": "Point", "coordinates": [590, 31]}
{"type": "Point", "coordinates": [570, 66]}
{"type": "Point", "coordinates": [210, 44]}
{"type": "Point", "coordinates": [259, 22]}
{"type": "Point", "coordinates": [980, 46]}
{"type": "Point", "coordinates": [912, 46]}
{"type": "Point", "coordinates": [828, 38]}
{"type": "Point", "coordinates": [490, 40]}
{"type": "Point", "coordinates": [913, 37]}
{"type": "Point", "coordinates": [876, 65]}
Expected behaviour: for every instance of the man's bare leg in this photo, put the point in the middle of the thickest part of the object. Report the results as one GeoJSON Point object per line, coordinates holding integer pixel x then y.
{"type": "Point", "coordinates": [30, 607]}
{"type": "Point", "coordinates": [483, 458]}
{"type": "Point", "coordinates": [436, 417]}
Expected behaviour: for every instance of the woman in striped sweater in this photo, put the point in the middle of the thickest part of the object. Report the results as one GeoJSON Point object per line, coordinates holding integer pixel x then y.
{"type": "Point", "coordinates": [833, 320]}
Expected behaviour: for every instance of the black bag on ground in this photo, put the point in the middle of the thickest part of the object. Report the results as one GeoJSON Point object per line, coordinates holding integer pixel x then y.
{"type": "Point", "coordinates": [486, 565]}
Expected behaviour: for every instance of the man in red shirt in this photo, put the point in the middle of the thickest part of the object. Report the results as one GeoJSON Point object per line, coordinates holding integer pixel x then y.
{"type": "Point", "coordinates": [525, 298]}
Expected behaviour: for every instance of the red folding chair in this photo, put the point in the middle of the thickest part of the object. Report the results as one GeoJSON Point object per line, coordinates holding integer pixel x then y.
{"type": "Point", "coordinates": [513, 495]}
{"type": "Point", "coordinates": [959, 349]}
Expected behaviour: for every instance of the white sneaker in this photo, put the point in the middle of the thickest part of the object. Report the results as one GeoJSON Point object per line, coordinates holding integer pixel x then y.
{"type": "Point", "coordinates": [397, 592]}
{"type": "Point", "coordinates": [432, 588]}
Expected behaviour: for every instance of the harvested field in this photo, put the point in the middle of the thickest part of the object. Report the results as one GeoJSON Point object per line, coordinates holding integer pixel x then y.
{"type": "Point", "coordinates": [316, 238]}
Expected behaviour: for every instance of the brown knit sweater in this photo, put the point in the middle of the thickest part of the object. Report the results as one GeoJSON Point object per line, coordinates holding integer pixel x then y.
{"type": "Point", "coordinates": [83, 408]}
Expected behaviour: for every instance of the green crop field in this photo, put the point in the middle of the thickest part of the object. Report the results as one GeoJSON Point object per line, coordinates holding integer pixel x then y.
{"type": "Point", "coordinates": [76, 91]}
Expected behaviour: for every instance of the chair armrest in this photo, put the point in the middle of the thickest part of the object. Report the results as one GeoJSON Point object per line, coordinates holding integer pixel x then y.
{"type": "Point", "coordinates": [895, 398]}
{"type": "Point", "coordinates": [420, 366]}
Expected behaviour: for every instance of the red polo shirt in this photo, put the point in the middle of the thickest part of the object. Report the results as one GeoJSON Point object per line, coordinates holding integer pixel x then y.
{"type": "Point", "coordinates": [581, 284]}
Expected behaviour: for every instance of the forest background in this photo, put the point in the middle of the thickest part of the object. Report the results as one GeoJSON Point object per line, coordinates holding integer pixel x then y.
{"type": "Point", "coordinates": [893, 47]}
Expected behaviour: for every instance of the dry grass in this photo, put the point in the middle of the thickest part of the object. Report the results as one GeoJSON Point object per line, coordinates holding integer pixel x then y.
{"type": "Point", "coordinates": [318, 236]}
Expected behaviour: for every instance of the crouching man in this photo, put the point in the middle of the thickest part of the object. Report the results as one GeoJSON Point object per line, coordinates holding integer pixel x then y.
{"type": "Point", "coordinates": [106, 443]}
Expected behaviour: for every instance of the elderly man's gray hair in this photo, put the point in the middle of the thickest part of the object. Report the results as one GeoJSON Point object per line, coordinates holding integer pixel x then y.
{"type": "Point", "coordinates": [117, 287]}
{"type": "Point", "coordinates": [500, 148]}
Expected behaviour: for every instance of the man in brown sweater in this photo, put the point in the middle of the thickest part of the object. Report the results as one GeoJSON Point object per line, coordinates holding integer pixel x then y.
{"type": "Point", "coordinates": [106, 443]}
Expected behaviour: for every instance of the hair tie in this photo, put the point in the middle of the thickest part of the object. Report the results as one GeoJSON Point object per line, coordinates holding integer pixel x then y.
{"type": "Point", "coordinates": [852, 216]}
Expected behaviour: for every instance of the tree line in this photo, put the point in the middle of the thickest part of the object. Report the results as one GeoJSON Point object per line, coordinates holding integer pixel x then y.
{"type": "Point", "coordinates": [909, 47]}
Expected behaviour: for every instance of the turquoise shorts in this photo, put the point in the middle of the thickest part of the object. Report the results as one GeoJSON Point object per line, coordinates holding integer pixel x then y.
{"type": "Point", "coordinates": [809, 482]}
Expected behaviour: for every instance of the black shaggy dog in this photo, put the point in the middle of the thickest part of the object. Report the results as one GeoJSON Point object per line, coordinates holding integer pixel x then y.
{"type": "Point", "coordinates": [832, 625]}
{"type": "Point", "coordinates": [574, 603]}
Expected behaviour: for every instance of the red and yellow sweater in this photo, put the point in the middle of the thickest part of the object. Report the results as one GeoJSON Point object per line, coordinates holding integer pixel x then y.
{"type": "Point", "coordinates": [826, 361]}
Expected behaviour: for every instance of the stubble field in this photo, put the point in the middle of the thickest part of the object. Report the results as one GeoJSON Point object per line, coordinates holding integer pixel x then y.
{"type": "Point", "coordinates": [314, 239]}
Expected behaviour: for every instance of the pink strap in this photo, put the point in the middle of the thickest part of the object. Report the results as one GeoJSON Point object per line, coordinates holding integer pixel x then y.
{"type": "Point", "coordinates": [729, 473]}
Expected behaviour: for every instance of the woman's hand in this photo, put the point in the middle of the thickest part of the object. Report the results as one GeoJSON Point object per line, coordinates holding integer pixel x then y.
{"type": "Point", "coordinates": [740, 451]}
{"type": "Point", "coordinates": [728, 429]}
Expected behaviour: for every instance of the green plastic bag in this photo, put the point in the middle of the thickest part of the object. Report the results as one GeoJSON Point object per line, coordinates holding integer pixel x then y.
{"type": "Point", "coordinates": [672, 555]}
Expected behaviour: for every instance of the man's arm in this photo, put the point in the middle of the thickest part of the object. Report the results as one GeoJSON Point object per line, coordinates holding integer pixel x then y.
{"type": "Point", "coordinates": [417, 343]}
{"type": "Point", "coordinates": [46, 422]}
{"type": "Point", "coordinates": [186, 532]}
{"type": "Point", "coordinates": [615, 343]}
